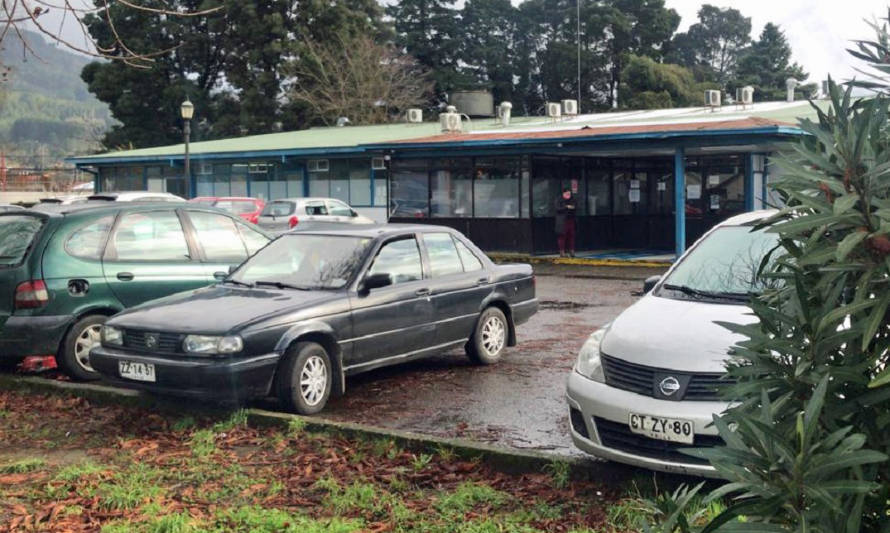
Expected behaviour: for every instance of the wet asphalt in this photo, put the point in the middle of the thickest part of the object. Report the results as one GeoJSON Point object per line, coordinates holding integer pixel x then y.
{"type": "Point", "coordinates": [516, 403]}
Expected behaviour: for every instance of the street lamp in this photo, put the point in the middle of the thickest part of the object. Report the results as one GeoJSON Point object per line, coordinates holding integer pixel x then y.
{"type": "Point", "coordinates": [187, 110]}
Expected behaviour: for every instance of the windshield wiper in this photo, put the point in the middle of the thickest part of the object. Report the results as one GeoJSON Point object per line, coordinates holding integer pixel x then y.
{"type": "Point", "coordinates": [281, 285]}
{"type": "Point", "coordinates": [736, 296]}
{"type": "Point", "coordinates": [236, 282]}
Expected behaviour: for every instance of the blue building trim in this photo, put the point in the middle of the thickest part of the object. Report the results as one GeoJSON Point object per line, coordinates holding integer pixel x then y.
{"type": "Point", "coordinates": [679, 201]}
{"type": "Point", "coordinates": [749, 182]}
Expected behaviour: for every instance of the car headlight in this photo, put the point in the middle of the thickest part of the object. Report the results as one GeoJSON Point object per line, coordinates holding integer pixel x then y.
{"type": "Point", "coordinates": [209, 344]}
{"type": "Point", "coordinates": [112, 336]}
{"type": "Point", "coordinates": [589, 363]}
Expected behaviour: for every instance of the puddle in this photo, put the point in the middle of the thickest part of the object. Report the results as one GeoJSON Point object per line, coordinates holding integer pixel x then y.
{"type": "Point", "coordinates": [565, 306]}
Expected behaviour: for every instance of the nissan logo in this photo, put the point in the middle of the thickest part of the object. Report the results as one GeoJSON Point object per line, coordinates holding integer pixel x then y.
{"type": "Point", "coordinates": [669, 386]}
{"type": "Point", "coordinates": [151, 341]}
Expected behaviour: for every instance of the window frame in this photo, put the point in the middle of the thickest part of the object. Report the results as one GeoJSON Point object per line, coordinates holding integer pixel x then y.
{"type": "Point", "coordinates": [203, 253]}
{"type": "Point", "coordinates": [194, 255]}
{"type": "Point", "coordinates": [460, 261]}
{"type": "Point", "coordinates": [102, 247]}
{"type": "Point", "coordinates": [421, 250]}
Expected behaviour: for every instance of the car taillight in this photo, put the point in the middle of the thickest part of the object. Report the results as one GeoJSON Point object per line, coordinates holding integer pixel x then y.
{"type": "Point", "coordinates": [31, 294]}
{"type": "Point", "coordinates": [293, 221]}
{"type": "Point", "coordinates": [253, 218]}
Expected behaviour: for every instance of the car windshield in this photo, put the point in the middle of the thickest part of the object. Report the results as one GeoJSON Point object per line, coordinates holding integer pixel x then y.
{"type": "Point", "coordinates": [17, 232]}
{"type": "Point", "coordinates": [724, 264]}
{"type": "Point", "coordinates": [278, 209]}
{"type": "Point", "coordinates": [304, 262]}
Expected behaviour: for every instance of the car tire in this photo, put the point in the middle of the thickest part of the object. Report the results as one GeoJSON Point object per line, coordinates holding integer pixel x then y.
{"type": "Point", "coordinates": [305, 380]}
{"type": "Point", "coordinates": [74, 357]}
{"type": "Point", "coordinates": [489, 340]}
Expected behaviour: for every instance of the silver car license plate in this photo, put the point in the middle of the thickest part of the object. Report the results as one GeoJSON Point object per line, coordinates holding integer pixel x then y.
{"type": "Point", "coordinates": [136, 371]}
{"type": "Point", "coordinates": [661, 428]}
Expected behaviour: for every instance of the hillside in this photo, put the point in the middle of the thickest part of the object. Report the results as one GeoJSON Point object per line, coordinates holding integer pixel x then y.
{"type": "Point", "coordinates": [47, 112]}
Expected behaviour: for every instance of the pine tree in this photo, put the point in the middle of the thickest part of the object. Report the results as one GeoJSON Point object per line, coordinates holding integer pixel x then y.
{"type": "Point", "coordinates": [766, 64]}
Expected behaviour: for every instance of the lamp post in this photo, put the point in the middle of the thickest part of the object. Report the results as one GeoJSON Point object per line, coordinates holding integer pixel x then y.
{"type": "Point", "coordinates": [187, 110]}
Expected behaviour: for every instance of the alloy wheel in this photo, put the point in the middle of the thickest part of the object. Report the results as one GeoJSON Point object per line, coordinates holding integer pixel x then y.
{"type": "Point", "coordinates": [88, 338]}
{"type": "Point", "coordinates": [494, 335]}
{"type": "Point", "coordinates": [313, 380]}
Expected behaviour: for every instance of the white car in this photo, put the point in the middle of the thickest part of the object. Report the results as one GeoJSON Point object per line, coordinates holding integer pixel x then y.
{"type": "Point", "coordinates": [135, 196]}
{"type": "Point", "coordinates": [643, 386]}
{"type": "Point", "coordinates": [289, 214]}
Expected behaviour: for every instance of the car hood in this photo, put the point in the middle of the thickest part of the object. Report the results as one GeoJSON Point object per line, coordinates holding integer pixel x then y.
{"type": "Point", "coordinates": [675, 334]}
{"type": "Point", "coordinates": [221, 309]}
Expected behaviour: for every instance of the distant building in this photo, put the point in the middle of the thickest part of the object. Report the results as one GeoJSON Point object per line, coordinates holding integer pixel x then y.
{"type": "Point", "coordinates": [498, 183]}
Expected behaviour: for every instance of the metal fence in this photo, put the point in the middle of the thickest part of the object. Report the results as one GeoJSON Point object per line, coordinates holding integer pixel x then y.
{"type": "Point", "coordinates": [44, 180]}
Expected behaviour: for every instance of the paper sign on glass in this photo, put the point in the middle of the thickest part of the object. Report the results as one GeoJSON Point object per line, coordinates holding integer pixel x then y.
{"type": "Point", "coordinates": [693, 192]}
{"type": "Point", "coordinates": [662, 186]}
{"type": "Point", "coordinates": [634, 184]}
{"type": "Point", "coordinates": [634, 195]}
{"type": "Point", "coordinates": [714, 179]}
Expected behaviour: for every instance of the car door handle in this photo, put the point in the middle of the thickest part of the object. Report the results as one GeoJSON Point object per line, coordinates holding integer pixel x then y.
{"type": "Point", "coordinates": [422, 292]}
{"type": "Point", "coordinates": [125, 276]}
{"type": "Point", "coordinates": [482, 281]}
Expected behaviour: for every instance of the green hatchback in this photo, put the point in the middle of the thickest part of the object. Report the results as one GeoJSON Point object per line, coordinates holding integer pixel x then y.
{"type": "Point", "coordinates": [65, 269]}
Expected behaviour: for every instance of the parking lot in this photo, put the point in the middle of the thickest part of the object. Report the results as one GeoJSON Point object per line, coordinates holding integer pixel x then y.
{"type": "Point", "coordinates": [518, 402]}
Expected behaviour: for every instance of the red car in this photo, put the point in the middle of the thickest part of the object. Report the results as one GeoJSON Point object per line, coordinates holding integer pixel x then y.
{"type": "Point", "coordinates": [247, 208]}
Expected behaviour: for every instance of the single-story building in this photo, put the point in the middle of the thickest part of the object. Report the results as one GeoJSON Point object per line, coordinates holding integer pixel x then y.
{"type": "Point", "coordinates": [498, 183]}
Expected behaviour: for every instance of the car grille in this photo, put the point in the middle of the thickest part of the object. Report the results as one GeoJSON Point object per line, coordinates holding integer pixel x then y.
{"type": "Point", "coordinates": [167, 342]}
{"type": "Point", "coordinates": [641, 380]}
{"type": "Point", "coordinates": [619, 437]}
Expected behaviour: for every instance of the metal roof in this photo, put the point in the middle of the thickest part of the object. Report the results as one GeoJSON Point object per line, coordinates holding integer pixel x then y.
{"type": "Point", "coordinates": [361, 139]}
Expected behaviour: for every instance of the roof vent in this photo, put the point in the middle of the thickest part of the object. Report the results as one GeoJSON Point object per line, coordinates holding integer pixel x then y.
{"type": "Point", "coordinates": [342, 121]}
{"type": "Point", "coordinates": [790, 85]}
{"type": "Point", "coordinates": [504, 112]}
{"type": "Point", "coordinates": [415, 115]}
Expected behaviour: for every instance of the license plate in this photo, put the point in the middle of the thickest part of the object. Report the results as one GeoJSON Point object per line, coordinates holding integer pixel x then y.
{"type": "Point", "coordinates": [137, 371]}
{"type": "Point", "coordinates": [661, 428]}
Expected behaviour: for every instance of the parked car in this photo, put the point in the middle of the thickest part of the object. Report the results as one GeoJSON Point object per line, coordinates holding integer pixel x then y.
{"type": "Point", "coordinates": [65, 269]}
{"type": "Point", "coordinates": [313, 307]}
{"type": "Point", "coordinates": [136, 196]}
{"type": "Point", "coordinates": [643, 387]}
{"type": "Point", "coordinates": [9, 207]}
{"type": "Point", "coordinates": [247, 208]}
{"type": "Point", "coordinates": [307, 213]}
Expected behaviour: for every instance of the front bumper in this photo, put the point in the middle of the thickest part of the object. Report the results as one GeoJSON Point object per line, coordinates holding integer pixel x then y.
{"type": "Point", "coordinates": [594, 400]}
{"type": "Point", "coordinates": [226, 379]}
{"type": "Point", "coordinates": [21, 336]}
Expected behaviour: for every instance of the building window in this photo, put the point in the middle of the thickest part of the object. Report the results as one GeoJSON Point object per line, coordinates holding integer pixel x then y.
{"type": "Point", "coordinates": [598, 187]}
{"type": "Point", "coordinates": [724, 187]}
{"type": "Point", "coordinates": [409, 189]}
{"type": "Point", "coordinates": [451, 188]}
{"type": "Point", "coordinates": [238, 183]}
{"type": "Point", "coordinates": [359, 183]}
{"type": "Point", "coordinates": [122, 179]}
{"type": "Point", "coordinates": [339, 176]}
{"type": "Point", "coordinates": [630, 192]}
{"type": "Point", "coordinates": [154, 181]}
{"type": "Point", "coordinates": [496, 188]}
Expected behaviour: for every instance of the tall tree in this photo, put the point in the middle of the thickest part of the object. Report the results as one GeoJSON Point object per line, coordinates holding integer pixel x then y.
{"type": "Point", "coordinates": [766, 64]}
{"type": "Point", "coordinates": [636, 27]}
{"type": "Point", "coordinates": [487, 51]}
{"type": "Point", "coordinates": [647, 84]}
{"type": "Point", "coordinates": [714, 44]}
{"type": "Point", "coordinates": [429, 31]}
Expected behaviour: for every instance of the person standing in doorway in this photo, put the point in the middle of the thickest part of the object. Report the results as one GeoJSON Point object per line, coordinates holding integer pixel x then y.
{"type": "Point", "coordinates": [565, 223]}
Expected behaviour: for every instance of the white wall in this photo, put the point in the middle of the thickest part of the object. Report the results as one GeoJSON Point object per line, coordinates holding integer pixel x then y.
{"type": "Point", "coordinates": [377, 214]}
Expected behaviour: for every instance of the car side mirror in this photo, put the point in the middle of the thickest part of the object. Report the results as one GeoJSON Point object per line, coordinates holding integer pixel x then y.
{"type": "Point", "coordinates": [375, 281]}
{"type": "Point", "coordinates": [352, 213]}
{"type": "Point", "coordinates": [650, 283]}
{"type": "Point", "coordinates": [220, 275]}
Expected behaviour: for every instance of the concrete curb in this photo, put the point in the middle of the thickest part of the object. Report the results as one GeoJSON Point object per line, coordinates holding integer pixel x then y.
{"type": "Point", "coordinates": [499, 458]}
{"type": "Point", "coordinates": [577, 261]}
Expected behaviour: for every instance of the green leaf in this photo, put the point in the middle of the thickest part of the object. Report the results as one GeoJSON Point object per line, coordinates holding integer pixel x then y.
{"type": "Point", "coordinates": [843, 311]}
{"type": "Point", "coordinates": [875, 319]}
{"type": "Point", "coordinates": [849, 243]}
{"type": "Point", "coordinates": [845, 203]}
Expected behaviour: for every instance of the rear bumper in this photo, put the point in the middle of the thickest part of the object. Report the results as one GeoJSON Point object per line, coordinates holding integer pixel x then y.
{"type": "Point", "coordinates": [522, 311]}
{"type": "Point", "coordinates": [228, 379]}
{"type": "Point", "coordinates": [22, 336]}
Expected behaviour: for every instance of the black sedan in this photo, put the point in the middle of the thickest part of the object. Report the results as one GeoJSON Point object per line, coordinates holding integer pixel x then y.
{"type": "Point", "coordinates": [313, 307]}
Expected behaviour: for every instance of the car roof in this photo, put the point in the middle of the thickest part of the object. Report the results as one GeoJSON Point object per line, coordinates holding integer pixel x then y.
{"type": "Point", "coordinates": [306, 199]}
{"type": "Point", "coordinates": [102, 206]}
{"type": "Point", "coordinates": [217, 198]}
{"type": "Point", "coordinates": [374, 231]}
{"type": "Point", "coordinates": [748, 218]}
{"type": "Point", "coordinates": [129, 194]}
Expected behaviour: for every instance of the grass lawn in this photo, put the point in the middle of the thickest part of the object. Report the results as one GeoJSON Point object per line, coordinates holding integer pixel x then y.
{"type": "Point", "coordinates": [67, 464]}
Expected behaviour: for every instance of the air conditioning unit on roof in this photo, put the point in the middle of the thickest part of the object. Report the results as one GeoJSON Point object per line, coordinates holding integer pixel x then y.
{"type": "Point", "coordinates": [744, 95]}
{"type": "Point", "coordinates": [450, 122]}
{"type": "Point", "coordinates": [415, 115]}
{"type": "Point", "coordinates": [554, 110]}
{"type": "Point", "coordinates": [570, 107]}
{"type": "Point", "coordinates": [712, 98]}
{"type": "Point", "coordinates": [378, 163]}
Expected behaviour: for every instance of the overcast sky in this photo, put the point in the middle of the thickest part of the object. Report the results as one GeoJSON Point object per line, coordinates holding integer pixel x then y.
{"type": "Point", "coordinates": [819, 30]}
